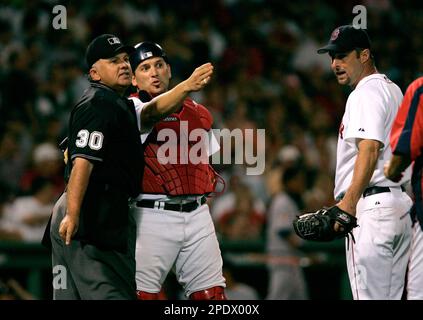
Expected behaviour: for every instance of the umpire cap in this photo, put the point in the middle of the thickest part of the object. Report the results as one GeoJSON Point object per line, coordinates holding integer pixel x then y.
{"type": "Point", "coordinates": [146, 50]}
{"type": "Point", "coordinates": [345, 39]}
{"type": "Point", "coordinates": [104, 47]}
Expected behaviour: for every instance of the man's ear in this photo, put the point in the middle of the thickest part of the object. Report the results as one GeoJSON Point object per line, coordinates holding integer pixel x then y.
{"type": "Point", "coordinates": [169, 71]}
{"type": "Point", "coordinates": [364, 55]}
{"type": "Point", "coordinates": [95, 76]}
{"type": "Point", "coordinates": [134, 80]}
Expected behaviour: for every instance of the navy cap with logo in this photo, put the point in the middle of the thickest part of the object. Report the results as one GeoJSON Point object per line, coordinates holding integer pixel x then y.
{"type": "Point", "coordinates": [345, 39]}
{"type": "Point", "coordinates": [146, 50]}
{"type": "Point", "coordinates": [104, 47]}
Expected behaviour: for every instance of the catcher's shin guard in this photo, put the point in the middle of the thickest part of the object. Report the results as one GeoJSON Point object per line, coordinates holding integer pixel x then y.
{"type": "Point", "coordinates": [214, 293]}
{"type": "Point", "coordinates": [142, 295]}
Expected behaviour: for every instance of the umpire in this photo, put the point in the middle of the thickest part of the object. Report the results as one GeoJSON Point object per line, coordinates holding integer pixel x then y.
{"type": "Point", "coordinates": [92, 235]}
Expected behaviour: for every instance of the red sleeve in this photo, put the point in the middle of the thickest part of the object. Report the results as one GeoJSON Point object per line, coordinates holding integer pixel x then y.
{"type": "Point", "coordinates": [407, 129]}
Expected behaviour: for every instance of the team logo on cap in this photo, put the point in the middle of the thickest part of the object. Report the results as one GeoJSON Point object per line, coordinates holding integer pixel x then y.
{"type": "Point", "coordinates": [334, 34]}
{"type": "Point", "coordinates": [146, 55]}
{"type": "Point", "coordinates": [114, 40]}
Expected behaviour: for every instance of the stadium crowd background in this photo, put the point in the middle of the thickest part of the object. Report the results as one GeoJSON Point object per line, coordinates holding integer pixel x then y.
{"type": "Point", "coordinates": [267, 75]}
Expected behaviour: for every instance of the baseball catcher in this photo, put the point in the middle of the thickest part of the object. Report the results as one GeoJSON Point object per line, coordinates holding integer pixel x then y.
{"type": "Point", "coordinates": [321, 225]}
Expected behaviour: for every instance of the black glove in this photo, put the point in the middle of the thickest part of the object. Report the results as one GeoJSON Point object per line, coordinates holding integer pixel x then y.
{"type": "Point", "coordinates": [319, 225]}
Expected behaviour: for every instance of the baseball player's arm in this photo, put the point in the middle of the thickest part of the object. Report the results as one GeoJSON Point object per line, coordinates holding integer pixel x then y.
{"type": "Point", "coordinates": [170, 101]}
{"type": "Point", "coordinates": [77, 186]}
{"type": "Point", "coordinates": [368, 153]}
{"type": "Point", "coordinates": [395, 167]}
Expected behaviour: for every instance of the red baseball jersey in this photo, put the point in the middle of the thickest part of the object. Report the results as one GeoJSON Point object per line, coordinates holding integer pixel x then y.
{"type": "Point", "coordinates": [407, 137]}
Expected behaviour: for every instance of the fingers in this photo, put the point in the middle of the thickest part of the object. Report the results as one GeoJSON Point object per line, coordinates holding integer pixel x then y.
{"type": "Point", "coordinates": [200, 77]}
{"type": "Point", "coordinates": [69, 236]}
{"type": "Point", "coordinates": [205, 80]}
{"type": "Point", "coordinates": [338, 227]}
{"type": "Point", "coordinates": [388, 174]}
{"type": "Point", "coordinates": [66, 231]}
{"type": "Point", "coordinates": [65, 156]}
{"type": "Point", "coordinates": [206, 66]}
{"type": "Point", "coordinates": [386, 168]}
{"type": "Point", "coordinates": [397, 178]}
{"type": "Point", "coordinates": [62, 231]}
{"type": "Point", "coordinates": [205, 70]}
{"type": "Point", "coordinates": [205, 75]}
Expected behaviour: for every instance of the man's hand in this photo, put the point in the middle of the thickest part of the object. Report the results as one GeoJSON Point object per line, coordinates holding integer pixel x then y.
{"type": "Point", "coordinates": [68, 228]}
{"type": "Point", "coordinates": [325, 224]}
{"type": "Point", "coordinates": [349, 208]}
{"type": "Point", "coordinates": [199, 78]}
{"type": "Point", "coordinates": [390, 173]}
{"type": "Point", "coordinates": [63, 145]}
{"type": "Point", "coordinates": [65, 156]}
{"type": "Point", "coordinates": [170, 101]}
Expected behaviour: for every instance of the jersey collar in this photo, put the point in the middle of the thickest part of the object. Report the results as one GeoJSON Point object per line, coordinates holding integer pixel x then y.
{"type": "Point", "coordinates": [371, 77]}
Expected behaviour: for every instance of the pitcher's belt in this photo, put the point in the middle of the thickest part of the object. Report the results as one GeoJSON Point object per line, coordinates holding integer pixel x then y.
{"type": "Point", "coordinates": [375, 190]}
{"type": "Point", "coordinates": [371, 191]}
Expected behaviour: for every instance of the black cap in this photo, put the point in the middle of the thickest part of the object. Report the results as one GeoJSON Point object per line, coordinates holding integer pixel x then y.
{"type": "Point", "coordinates": [345, 39]}
{"type": "Point", "coordinates": [104, 47]}
{"type": "Point", "coordinates": [146, 50]}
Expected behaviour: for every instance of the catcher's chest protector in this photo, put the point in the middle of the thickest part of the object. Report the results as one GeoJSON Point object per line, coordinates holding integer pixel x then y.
{"type": "Point", "coordinates": [180, 177]}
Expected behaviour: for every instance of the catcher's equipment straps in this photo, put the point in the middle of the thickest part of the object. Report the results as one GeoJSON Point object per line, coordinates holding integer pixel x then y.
{"type": "Point", "coordinates": [218, 180]}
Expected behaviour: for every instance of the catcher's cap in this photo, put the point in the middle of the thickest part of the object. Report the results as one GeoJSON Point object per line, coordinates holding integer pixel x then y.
{"type": "Point", "coordinates": [146, 50]}
{"type": "Point", "coordinates": [345, 39]}
{"type": "Point", "coordinates": [104, 47]}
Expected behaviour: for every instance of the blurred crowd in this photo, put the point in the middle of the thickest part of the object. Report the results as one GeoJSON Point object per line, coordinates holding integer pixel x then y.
{"type": "Point", "coordinates": [267, 76]}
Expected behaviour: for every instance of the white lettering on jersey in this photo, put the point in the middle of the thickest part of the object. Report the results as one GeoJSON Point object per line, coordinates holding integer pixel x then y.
{"type": "Point", "coordinates": [82, 140]}
{"type": "Point", "coordinates": [94, 140]}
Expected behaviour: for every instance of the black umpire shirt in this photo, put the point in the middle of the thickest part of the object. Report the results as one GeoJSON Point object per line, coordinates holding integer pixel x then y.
{"type": "Point", "coordinates": [103, 129]}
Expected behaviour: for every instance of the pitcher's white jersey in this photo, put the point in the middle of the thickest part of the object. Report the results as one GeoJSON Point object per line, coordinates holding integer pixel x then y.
{"type": "Point", "coordinates": [369, 113]}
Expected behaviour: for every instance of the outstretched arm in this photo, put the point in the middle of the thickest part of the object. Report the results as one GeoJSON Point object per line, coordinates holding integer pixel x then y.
{"type": "Point", "coordinates": [170, 101]}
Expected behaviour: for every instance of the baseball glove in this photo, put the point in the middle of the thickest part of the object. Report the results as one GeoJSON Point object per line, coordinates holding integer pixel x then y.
{"type": "Point", "coordinates": [319, 225]}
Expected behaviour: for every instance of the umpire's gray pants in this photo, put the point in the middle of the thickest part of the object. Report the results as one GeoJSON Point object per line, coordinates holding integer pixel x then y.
{"type": "Point", "coordinates": [83, 271]}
